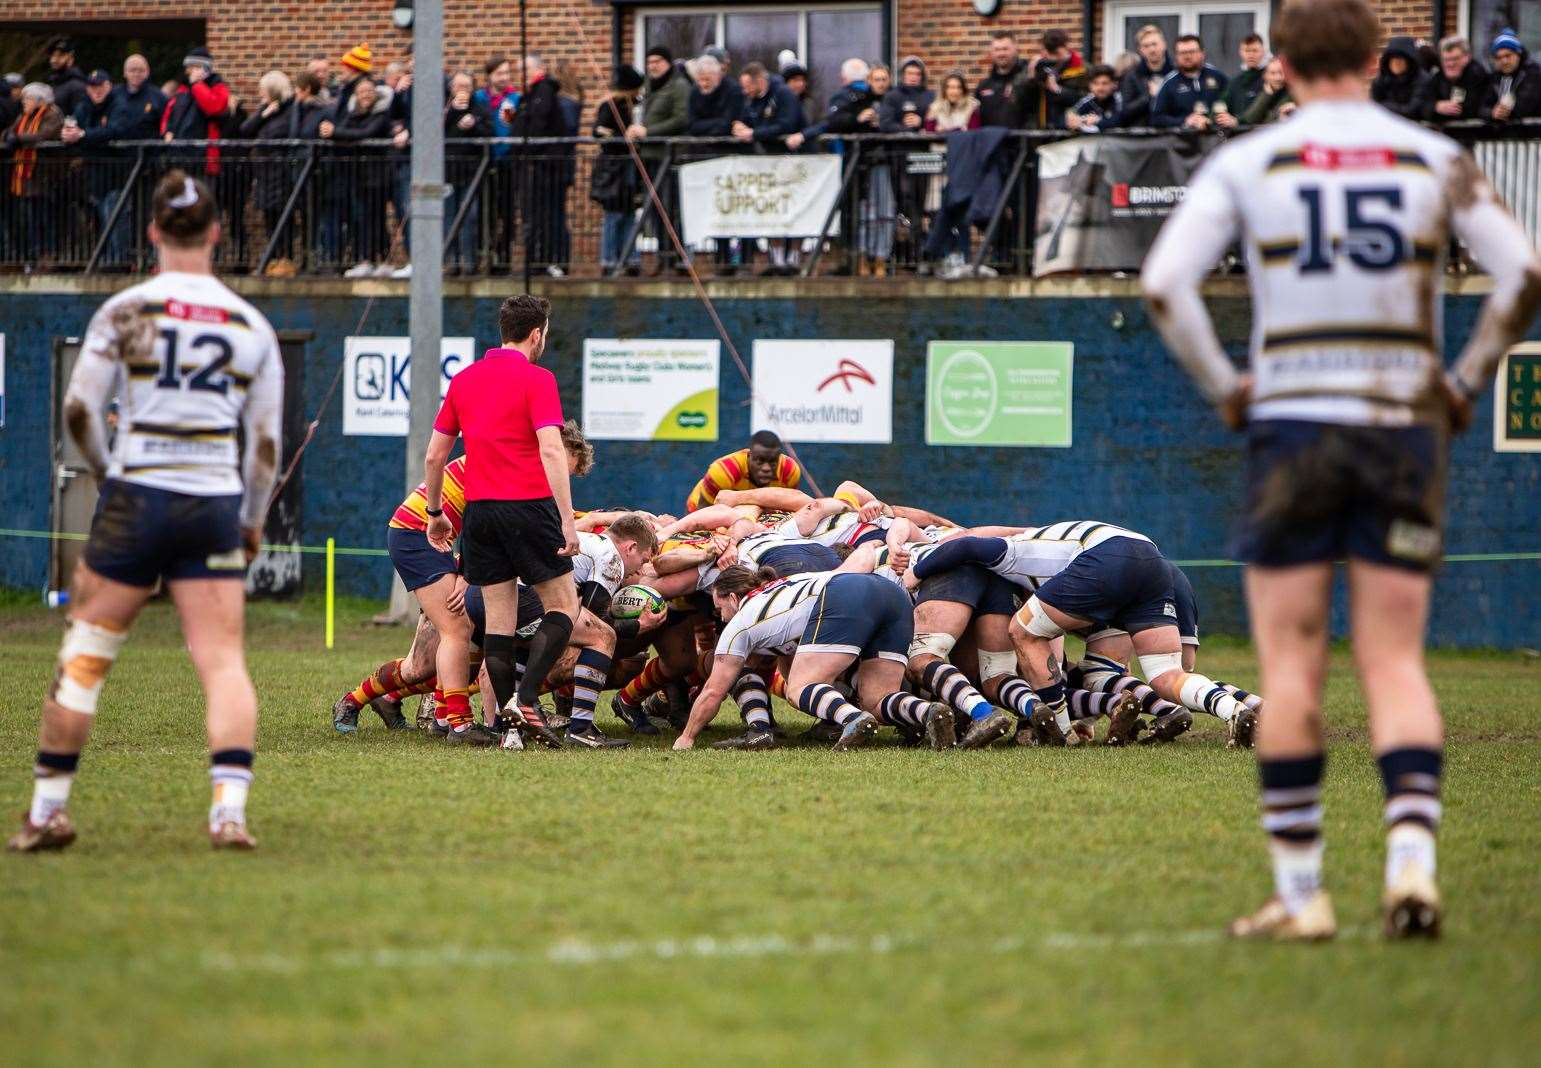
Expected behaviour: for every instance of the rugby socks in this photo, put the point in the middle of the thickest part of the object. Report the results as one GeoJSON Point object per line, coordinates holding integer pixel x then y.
{"type": "Point", "coordinates": [52, 777]}
{"type": "Point", "coordinates": [1251, 701]}
{"type": "Point", "coordinates": [437, 697]}
{"type": "Point", "coordinates": [1412, 780]}
{"type": "Point", "coordinates": [949, 685]}
{"type": "Point", "coordinates": [648, 681]}
{"type": "Point", "coordinates": [903, 710]}
{"type": "Point", "coordinates": [753, 701]}
{"type": "Point", "coordinates": [1204, 695]}
{"type": "Point", "coordinates": [498, 659]}
{"type": "Point", "coordinates": [1053, 698]}
{"type": "Point", "coordinates": [387, 677]}
{"type": "Point", "coordinates": [1084, 704]}
{"type": "Point", "coordinates": [823, 701]}
{"type": "Point", "coordinates": [589, 675]}
{"type": "Point", "coordinates": [545, 648]}
{"type": "Point", "coordinates": [955, 552]}
{"type": "Point", "coordinates": [1018, 696]}
{"type": "Point", "coordinates": [457, 708]}
{"type": "Point", "coordinates": [1292, 816]}
{"type": "Point", "coordinates": [230, 776]}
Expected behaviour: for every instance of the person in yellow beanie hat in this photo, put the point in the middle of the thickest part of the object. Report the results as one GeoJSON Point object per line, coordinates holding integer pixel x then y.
{"type": "Point", "coordinates": [357, 62]}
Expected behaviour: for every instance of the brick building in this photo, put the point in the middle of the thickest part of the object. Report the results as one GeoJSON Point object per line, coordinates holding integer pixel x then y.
{"type": "Point", "coordinates": [249, 37]}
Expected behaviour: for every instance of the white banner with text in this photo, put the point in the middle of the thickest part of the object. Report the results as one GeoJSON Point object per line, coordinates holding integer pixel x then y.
{"type": "Point", "coordinates": [759, 196]}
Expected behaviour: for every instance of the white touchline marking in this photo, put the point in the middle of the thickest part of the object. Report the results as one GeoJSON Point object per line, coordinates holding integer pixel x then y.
{"type": "Point", "coordinates": [577, 951]}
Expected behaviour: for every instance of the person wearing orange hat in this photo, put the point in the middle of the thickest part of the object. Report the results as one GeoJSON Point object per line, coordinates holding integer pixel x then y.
{"type": "Point", "coordinates": [357, 62]}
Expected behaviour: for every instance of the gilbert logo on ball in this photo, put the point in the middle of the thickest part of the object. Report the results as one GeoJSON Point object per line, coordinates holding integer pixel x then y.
{"type": "Point", "coordinates": [631, 601]}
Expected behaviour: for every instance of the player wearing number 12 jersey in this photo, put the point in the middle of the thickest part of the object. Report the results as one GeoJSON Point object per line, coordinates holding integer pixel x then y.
{"type": "Point", "coordinates": [199, 382]}
{"type": "Point", "coordinates": [1344, 213]}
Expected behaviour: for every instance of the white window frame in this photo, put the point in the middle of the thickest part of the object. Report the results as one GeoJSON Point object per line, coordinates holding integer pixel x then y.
{"type": "Point", "coordinates": [1114, 13]}
{"type": "Point", "coordinates": [639, 27]}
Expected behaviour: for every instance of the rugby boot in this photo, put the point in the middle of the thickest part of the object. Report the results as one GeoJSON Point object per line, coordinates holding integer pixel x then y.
{"type": "Point", "coordinates": [1241, 729]}
{"type": "Point", "coordinates": [1273, 923]}
{"type": "Point", "coordinates": [586, 735]}
{"type": "Point", "coordinates": [474, 735]}
{"type": "Point", "coordinates": [1166, 728]}
{"type": "Point", "coordinates": [56, 832]}
{"type": "Point", "coordinates": [750, 739]}
{"type": "Point", "coordinates": [1024, 735]}
{"type": "Point", "coordinates": [537, 728]}
{"type": "Point", "coordinates": [390, 714]}
{"type": "Point", "coordinates": [941, 729]}
{"type": "Point", "coordinates": [345, 714]}
{"type": "Point", "coordinates": [1411, 905]}
{"type": "Point", "coordinates": [1123, 720]}
{"type": "Point", "coordinates": [426, 713]}
{"type": "Point", "coordinates": [1048, 731]}
{"type": "Point", "coordinates": [679, 698]}
{"type": "Point", "coordinates": [823, 731]}
{"type": "Point", "coordinates": [231, 835]}
{"type": "Point", "coordinates": [858, 732]}
{"type": "Point", "coordinates": [632, 715]}
{"type": "Point", "coordinates": [656, 706]}
{"type": "Point", "coordinates": [986, 732]}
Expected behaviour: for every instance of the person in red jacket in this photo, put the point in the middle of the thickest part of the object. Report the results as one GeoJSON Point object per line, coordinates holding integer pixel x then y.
{"type": "Point", "coordinates": [198, 109]}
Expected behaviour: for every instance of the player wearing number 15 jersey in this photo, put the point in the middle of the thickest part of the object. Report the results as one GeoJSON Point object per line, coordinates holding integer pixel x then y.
{"type": "Point", "coordinates": [1344, 213]}
{"type": "Point", "coordinates": [199, 383]}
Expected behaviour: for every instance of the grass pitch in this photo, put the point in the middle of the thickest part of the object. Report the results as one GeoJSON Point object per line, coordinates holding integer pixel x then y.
{"type": "Point", "coordinates": [413, 903]}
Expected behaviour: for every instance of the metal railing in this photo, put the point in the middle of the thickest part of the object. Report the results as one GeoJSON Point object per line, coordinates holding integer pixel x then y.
{"type": "Point", "coordinates": [318, 208]}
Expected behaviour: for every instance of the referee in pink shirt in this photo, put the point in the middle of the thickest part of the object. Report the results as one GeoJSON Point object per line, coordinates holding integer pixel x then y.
{"type": "Point", "coordinates": [518, 522]}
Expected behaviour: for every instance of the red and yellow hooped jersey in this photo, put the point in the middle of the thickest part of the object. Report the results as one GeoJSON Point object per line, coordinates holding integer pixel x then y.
{"type": "Point", "coordinates": [413, 512]}
{"type": "Point", "coordinates": [732, 472]}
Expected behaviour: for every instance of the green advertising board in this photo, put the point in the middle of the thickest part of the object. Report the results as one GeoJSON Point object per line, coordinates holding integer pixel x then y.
{"type": "Point", "coordinates": [1517, 400]}
{"type": "Point", "coordinates": [998, 393]}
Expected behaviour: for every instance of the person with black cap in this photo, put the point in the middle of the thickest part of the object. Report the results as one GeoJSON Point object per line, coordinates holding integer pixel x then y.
{"type": "Point", "coordinates": [198, 109]}
{"type": "Point", "coordinates": [64, 78]}
{"type": "Point", "coordinates": [1399, 86]}
{"type": "Point", "coordinates": [614, 184]}
{"type": "Point", "coordinates": [664, 112]}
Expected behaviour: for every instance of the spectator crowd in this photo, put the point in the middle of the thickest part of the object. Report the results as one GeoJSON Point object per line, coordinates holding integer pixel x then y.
{"type": "Point", "coordinates": [314, 171]}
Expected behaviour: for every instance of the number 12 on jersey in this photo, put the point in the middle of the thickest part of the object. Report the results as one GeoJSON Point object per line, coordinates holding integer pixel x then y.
{"type": "Point", "coordinates": [208, 376]}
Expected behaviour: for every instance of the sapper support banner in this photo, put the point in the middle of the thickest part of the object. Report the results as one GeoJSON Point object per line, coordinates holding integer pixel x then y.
{"type": "Point", "coordinates": [1102, 200]}
{"type": "Point", "coordinates": [759, 196]}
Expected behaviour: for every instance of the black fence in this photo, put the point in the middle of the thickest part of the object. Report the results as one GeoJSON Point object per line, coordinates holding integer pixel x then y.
{"type": "Point", "coordinates": [306, 207]}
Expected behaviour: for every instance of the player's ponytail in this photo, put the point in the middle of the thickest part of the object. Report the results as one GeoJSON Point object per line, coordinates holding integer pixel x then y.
{"type": "Point", "coordinates": [741, 578]}
{"type": "Point", "coordinates": [183, 209]}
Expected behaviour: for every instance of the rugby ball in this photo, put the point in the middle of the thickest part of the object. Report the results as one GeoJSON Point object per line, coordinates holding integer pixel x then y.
{"type": "Point", "coordinates": [630, 602]}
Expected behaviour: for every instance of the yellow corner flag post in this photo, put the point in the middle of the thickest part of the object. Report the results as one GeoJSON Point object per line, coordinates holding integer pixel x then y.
{"type": "Point", "coordinates": [331, 586]}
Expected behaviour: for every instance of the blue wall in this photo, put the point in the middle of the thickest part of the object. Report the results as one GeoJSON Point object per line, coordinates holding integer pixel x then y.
{"type": "Point", "coordinates": [1147, 454]}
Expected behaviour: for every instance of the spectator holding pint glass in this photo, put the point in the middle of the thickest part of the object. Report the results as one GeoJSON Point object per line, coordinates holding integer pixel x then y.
{"type": "Point", "coordinates": [1458, 88]}
{"type": "Point", "coordinates": [1188, 96]}
{"type": "Point", "coordinates": [518, 523]}
{"type": "Point", "coordinates": [1516, 89]}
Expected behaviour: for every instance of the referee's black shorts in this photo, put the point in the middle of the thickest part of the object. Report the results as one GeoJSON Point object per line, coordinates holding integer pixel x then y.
{"type": "Point", "coordinates": [505, 540]}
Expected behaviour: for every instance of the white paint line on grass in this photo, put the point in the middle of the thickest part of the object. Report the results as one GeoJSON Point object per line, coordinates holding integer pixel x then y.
{"type": "Point", "coordinates": [579, 952]}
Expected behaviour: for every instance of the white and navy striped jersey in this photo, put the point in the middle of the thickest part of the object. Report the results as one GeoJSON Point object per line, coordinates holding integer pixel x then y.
{"type": "Point", "coordinates": [755, 546]}
{"type": "Point", "coordinates": [1344, 213]}
{"type": "Point", "coordinates": [1039, 553]}
{"type": "Point", "coordinates": [598, 561]}
{"type": "Point", "coordinates": [772, 621]}
{"type": "Point", "coordinates": [192, 365]}
{"type": "Point", "coordinates": [842, 528]}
